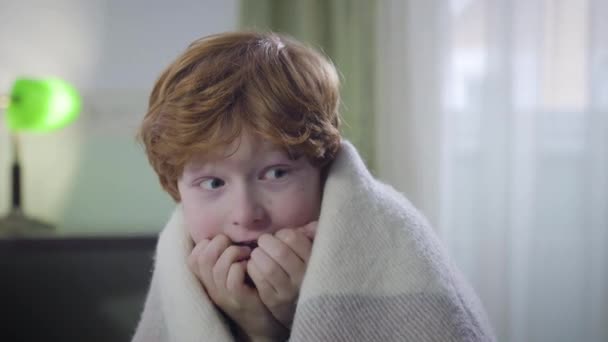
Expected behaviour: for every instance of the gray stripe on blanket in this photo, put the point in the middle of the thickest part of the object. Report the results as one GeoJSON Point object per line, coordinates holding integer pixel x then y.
{"type": "Point", "coordinates": [421, 317]}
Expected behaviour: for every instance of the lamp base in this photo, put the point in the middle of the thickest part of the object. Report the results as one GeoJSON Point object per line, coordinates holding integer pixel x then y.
{"type": "Point", "coordinates": [17, 224]}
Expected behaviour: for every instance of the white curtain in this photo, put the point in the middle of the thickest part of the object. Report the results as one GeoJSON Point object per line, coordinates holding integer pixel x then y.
{"type": "Point", "coordinates": [493, 119]}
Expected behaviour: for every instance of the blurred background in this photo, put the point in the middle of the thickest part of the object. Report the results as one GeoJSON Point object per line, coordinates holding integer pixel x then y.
{"type": "Point", "coordinates": [491, 116]}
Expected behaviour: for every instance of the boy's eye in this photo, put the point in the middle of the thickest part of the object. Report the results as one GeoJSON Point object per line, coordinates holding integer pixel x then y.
{"type": "Point", "coordinates": [276, 173]}
{"type": "Point", "coordinates": [212, 183]}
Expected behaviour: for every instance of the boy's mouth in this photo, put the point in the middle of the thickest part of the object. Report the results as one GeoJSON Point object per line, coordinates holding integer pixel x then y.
{"type": "Point", "coordinates": [251, 244]}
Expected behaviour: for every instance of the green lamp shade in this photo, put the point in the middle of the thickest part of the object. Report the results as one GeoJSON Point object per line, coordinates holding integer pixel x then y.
{"type": "Point", "coordinates": [42, 105]}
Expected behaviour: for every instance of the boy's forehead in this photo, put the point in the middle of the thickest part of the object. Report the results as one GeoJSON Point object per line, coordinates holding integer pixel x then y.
{"type": "Point", "coordinates": [239, 149]}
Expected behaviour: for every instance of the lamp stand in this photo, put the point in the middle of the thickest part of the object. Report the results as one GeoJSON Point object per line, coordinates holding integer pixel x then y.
{"type": "Point", "coordinates": [16, 222]}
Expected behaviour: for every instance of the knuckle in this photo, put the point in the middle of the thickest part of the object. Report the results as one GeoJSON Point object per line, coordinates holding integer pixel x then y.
{"type": "Point", "coordinates": [256, 253]}
{"type": "Point", "coordinates": [285, 297]}
{"type": "Point", "coordinates": [232, 251]}
{"type": "Point", "coordinates": [205, 258]}
{"type": "Point", "coordinates": [216, 271]}
{"type": "Point", "coordinates": [268, 296]}
{"type": "Point", "coordinates": [232, 287]}
{"type": "Point", "coordinates": [288, 236]}
{"type": "Point", "coordinates": [200, 259]}
{"type": "Point", "coordinates": [208, 288]}
{"type": "Point", "coordinates": [271, 269]}
{"type": "Point", "coordinates": [282, 251]}
{"type": "Point", "coordinates": [222, 301]}
{"type": "Point", "coordinates": [222, 240]}
{"type": "Point", "coordinates": [264, 239]}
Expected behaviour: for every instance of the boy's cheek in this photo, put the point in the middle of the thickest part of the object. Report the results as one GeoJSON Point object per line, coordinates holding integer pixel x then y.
{"type": "Point", "coordinates": [200, 228]}
{"type": "Point", "coordinates": [198, 234]}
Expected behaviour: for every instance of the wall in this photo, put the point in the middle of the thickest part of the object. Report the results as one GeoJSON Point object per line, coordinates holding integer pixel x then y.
{"type": "Point", "coordinates": [92, 177]}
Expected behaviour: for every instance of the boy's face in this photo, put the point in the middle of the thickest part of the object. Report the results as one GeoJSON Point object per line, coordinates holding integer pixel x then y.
{"type": "Point", "coordinates": [253, 191]}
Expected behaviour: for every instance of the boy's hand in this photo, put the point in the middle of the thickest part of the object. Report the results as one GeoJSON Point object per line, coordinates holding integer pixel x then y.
{"type": "Point", "coordinates": [277, 268]}
{"type": "Point", "coordinates": [221, 266]}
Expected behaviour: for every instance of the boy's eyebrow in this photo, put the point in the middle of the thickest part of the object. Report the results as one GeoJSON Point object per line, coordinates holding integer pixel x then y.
{"type": "Point", "coordinates": [198, 166]}
{"type": "Point", "coordinates": [293, 155]}
{"type": "Point", "coordinates": [209, 165]}
{"type": "Point", "coordinates": [285, 155]}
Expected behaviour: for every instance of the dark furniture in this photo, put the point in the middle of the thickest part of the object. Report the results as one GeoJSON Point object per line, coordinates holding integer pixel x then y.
{"type": "Point", "coordinates": [73, 288]}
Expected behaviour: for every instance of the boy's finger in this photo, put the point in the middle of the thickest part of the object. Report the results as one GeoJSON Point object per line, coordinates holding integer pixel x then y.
{"type": "Point", "coordinates": [296, 241]}
{"type": "Point", "coordinates": [310, 230]}
{"type": "Point", "coordinates": [214, 250]}
{"type": "Point", "coordinates": [264, 288]}
{"type": "Point", "coordinates": [194, 254]}
{"type": "Point", "coordinates": [208, 257]}
{"type": "Point", "coordinates": [235, 282]}
{"type": "Point", "coordinates": [282, 253]}
{"type": "Point", "coordinates": [232, 254]}
{"type": "Point", "coordinates": [272, 272]}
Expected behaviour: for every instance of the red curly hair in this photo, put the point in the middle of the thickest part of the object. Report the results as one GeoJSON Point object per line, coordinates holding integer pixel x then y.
{"type": "Point", "coordinates": [267, 83]}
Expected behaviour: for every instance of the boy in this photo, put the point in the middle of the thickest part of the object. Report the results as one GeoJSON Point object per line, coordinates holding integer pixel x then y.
{"type": "Point", "coordinates": [243, 132]}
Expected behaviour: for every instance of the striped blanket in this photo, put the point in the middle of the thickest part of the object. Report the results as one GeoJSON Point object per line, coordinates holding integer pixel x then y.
{"type": "Point", "coordinates": [377, 273]}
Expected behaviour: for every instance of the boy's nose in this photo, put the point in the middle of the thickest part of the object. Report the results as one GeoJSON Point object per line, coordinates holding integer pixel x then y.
{"type": "Point", "coordinates": [248, 211]}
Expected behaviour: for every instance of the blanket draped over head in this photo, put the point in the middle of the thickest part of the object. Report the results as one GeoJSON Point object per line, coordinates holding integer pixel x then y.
{"type": "Point", "coordinates": [377, 273]}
